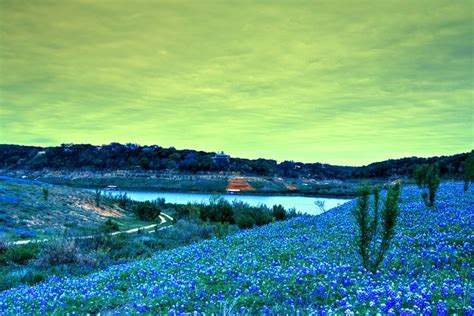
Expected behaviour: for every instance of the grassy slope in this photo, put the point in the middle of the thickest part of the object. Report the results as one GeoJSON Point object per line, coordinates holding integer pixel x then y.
{"type": "Point", "coordinates": [306, 264]}
{"type": "Point", "coordinates": [24, 214]}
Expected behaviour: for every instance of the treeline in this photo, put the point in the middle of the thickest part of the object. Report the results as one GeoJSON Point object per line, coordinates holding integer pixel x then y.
{"type": "Point", "coordinates": [134, 157]}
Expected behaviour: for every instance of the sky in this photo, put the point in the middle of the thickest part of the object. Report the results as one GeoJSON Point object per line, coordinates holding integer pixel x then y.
{"type": "Point", "coordinates": [342, 82]}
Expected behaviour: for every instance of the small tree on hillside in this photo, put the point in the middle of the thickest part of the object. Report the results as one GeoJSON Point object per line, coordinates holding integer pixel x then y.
{"type": "Point", "coordinates": [98, 196]}
{"type": "Point", "coordinates": [374, 230]}
{"type": "Point", "coordinates": [45, 194]}
{"type": "Point", "coordinates": [468, 171]}
{"type": "Point", "coordinates": [109, 226]}
{"type": "Point", "coordinates": [427, 177]}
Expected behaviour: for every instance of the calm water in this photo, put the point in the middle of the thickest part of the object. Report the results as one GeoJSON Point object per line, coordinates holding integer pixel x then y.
{"type": "Point", "coordinates": [302, 204]}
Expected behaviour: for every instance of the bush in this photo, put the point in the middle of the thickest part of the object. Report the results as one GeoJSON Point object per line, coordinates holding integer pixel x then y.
{"type": "Point", "coordinates": [222, 229]}
{"type": "Point", "coordinates": [427, 176]}
{"type": "Point", "coordinates": [97, 197]}
{"type": "Point", "coordinates": [291, 213]}
{"type": "Point", "coordinates": [45, 194]}
{"type": "Point", "coordinates": [262, 215]}
{"type": "Point", "coordinates": [109, 226]}
{"type": "Point", "coordinates": [279, 212]}
{"type": "Point", "coordinates": [184, 232]}
{"type": "Point", "coordinates": [61, 252]}
{"type": "Point", "coordinates": [130, 248]}
{"type": "Point", "coordinates": [123, 200]}
{"type": "Point", "coordinates": [218, 210]}
{"type": "Point", "coordinates": [3, 246]}
{"type": "Point", "coordinates": [20, 254]}
{"type": "Point", "coordinates": [245, 221]}
{"type": "Point", "coordinates": [370, 231]}
{"type": "Point", "coordinates": [468, 173]}
{"type": "Point", "coordinates": [148, 210]}
{"type": "Point", "coordinates": [13, 277]}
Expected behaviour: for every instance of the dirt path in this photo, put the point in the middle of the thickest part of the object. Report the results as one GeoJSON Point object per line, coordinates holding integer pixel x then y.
{"type": "Point", "coordinates": [164, 218]}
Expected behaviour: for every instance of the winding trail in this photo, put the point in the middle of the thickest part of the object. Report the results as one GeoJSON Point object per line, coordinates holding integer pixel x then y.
{"type": "Point", "coordinates": [164, 218]}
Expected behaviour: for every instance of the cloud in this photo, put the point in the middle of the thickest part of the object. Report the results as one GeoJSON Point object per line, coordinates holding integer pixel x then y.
{"type": "Point", "coordinates": [304, 80]}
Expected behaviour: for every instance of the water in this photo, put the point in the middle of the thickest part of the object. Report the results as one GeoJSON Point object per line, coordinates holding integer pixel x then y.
{"type": "Point", "coordinates": [303, 204]}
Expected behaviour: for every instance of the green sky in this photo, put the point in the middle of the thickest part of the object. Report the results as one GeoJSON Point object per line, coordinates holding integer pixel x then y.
{"type": "Point", "coordinates": [346, 82]}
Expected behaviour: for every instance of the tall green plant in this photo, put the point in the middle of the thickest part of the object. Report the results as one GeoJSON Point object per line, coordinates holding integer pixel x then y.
{"type": "Point", "coordinates": [375, 230]}
{"type": "Point", "coordinates": [468, 171]}
{"type": "Point", "coordinates": [45, 194]}
{"type": "Point", "coordinates": [427, 177]}
{"type": "Point", "coordinates": [98, 196]}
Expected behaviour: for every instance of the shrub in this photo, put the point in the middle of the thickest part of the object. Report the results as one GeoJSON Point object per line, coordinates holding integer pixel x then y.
{"type": "Point", "coordinates": [370, 231]}
{"type": "Point", "coordinates": [109, 226]}
{"type": "Point", "coordinates": [320, 204]}
{"type": "Point", "coordinates": [148, 210]}
{"type": "Point", "coordinates": [59, 252]}
{"type": "Point", "coordinates": [427, 176]}
{"type": "Point", "coordinates": [223, 229]}
{"type": "Point", "coordinates": [3, 246]}
{"type": "Point", "coordinates": [245, 221]}
{"type": "Point", "coordinates": [291, 213]}
{"type": "Point", "coordinates": [21, 254]}
{"type": "Point", "coordinates": [468, 173]}
{"type": "Point", "coordinates": [129, 248]}
{"type": "Point", "coordinates": [34, 277]}
{"type": "Point", "coordinates": [123, 200]}
{"type": "Point", "coordinates": [97, 197]}
{"type": "Point", "coordinates": [262, 215]}
{"type": "Point", "coordinates": [45, 194]}
{"type": "Point", "coordinates": [218, 210]}
{"type": "Point", "coordinates": [279, 212]}
{"type": "Point", "coordinates": [184, 232]}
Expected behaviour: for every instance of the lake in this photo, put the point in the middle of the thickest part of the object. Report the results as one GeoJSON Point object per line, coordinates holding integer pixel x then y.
{"type": "Point", "coordinates": [303, 204]}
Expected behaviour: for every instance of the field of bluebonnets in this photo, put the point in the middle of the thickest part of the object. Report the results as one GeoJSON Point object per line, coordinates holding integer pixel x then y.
{"type": "Point", "coordinates": [307, 264]}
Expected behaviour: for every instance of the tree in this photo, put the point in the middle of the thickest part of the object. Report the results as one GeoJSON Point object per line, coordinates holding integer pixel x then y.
{"type": "Point", "coordinates": [245, 221]}
{"type": "Point", "coordinates": [427, 177]}
{"type": "Point", "coordinates": [468, 171]}
{"type": "Point", "coordinates": [98, 195]}
{"type": "Point", "coordinates": [321, 205]}
{"type": "Point", "coordinates": [109, 226]}
{"type": "Point", "coordinates": [145, 163]}
{"type": "Point", "coordinates": [218, 210]}
{"type": "Point", "coordinates": [373, 238]}
{"type": "Point", "coordinates": [45, 194]}
{"type": "Point", "coordinates": [279, 212]}
{"type": "Point", "coordinates": [148, 210]}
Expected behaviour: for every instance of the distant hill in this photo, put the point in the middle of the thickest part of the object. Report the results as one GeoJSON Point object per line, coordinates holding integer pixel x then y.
{"type": "Point", "coordinates": [115, 156]}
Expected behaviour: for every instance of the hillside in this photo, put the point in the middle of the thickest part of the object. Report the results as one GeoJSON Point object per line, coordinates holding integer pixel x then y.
{"type": "Point", "coordinates": [134, 158]}
{"type": "Point", "coordinates": [26, 214]}
{"type": "Point", "coordinates": [306, 264]}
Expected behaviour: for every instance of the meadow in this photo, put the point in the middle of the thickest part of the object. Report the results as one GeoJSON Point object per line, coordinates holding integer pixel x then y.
{"type": "Point", "coordinates": [307, 264]}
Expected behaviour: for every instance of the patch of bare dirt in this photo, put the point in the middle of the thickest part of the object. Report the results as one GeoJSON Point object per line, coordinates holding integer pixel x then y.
{"type": "Point", "coordinates": [92, 207]}
{"type": "Point", "coordinates": [239, 184]}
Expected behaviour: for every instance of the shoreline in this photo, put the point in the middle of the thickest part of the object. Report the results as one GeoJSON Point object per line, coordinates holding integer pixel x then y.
{"type": "Point", "coordinates": [255, 192]}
